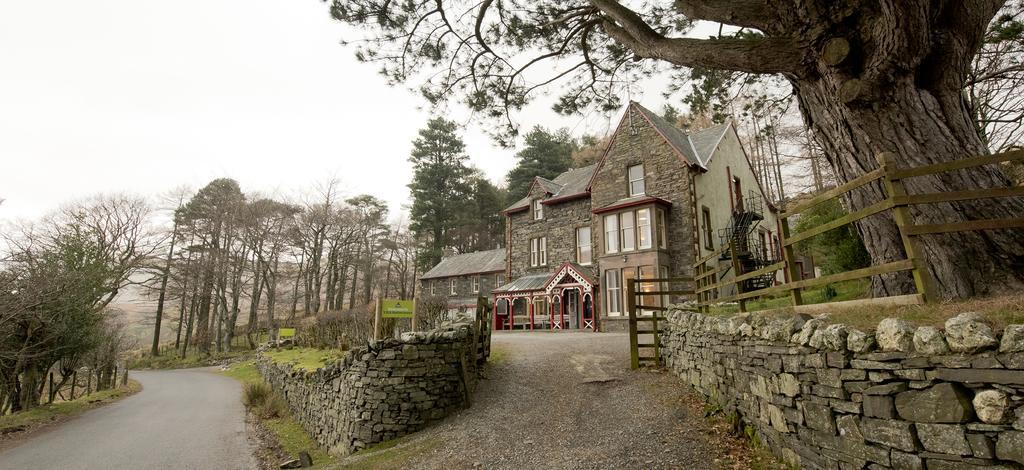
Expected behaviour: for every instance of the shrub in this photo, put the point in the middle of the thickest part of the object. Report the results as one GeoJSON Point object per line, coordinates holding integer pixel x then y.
{"type": "Point", "coordinates": [273, 407]}
{"type": "Point", "coordinates": [337, 330]}
{"type": "Point", "coordinates": [255, 394]}
{"type": "Point", "coordinates": [262, 400]}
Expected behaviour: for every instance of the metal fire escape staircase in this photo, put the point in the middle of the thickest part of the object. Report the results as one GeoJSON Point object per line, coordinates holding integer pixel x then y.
{"type": "Point", "coordinates": [751, 253]}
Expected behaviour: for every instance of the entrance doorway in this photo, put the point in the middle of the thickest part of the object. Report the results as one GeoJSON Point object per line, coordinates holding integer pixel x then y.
{"type": "Point", "coordinates": [571, 300]}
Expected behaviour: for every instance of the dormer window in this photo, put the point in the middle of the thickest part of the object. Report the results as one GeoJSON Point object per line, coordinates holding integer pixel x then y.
{"type": "Point", "coordinates": [538, 210]}
{"type": "Point", "coordinates": [637, 187]}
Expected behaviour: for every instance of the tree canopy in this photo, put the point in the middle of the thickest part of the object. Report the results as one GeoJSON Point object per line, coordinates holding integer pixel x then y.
{"type": "Point", "coordinates": [546, 154]}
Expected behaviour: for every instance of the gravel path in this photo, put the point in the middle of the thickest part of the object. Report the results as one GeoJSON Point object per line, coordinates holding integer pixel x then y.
{"type": "Point", "coordinates": [190, 419]}
{"type": "Point", "coordinates": [563, 400]}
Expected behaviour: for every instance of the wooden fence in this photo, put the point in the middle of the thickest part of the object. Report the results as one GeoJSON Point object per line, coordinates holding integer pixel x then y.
{"type": "Point", "coordinates": [897, 200]}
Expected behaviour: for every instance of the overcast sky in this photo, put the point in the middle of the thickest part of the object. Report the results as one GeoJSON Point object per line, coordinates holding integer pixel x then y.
{"type": "Point", "coordinates": [145, 96]}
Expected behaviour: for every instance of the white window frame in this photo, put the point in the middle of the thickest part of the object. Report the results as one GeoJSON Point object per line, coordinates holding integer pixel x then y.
{"type": "Point", "coordinates": [613, 292]}
{"type": "Point", "coordinates": [631, 231]}
{"type": "Point", "coordinates": [538, 210]}
{"type": "Point", "coordinates": [611, 233]}
{"type": "Point", "coordinates": [543, 251]}
{"type": "Point", "coordinates": [644, 239]}
{"type": "Point", "coordinates": [433, 287]}
{"type": "Point", "coordinates": [451, 286]}
{"type": "Point", "coordinates": [662, 230]}
{"type": "Point", "coordinates": [476, 284]}
{"type": "Point", "coordinates": [534, 251]}
{"type": "Point", "coordinates": [642, 190]}
{"type": "Point", "coordinates": [499, 280]}
{"type": "Point", "coordinates": [580, 247]}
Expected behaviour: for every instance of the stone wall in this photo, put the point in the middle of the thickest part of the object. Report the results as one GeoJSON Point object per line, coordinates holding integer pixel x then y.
{"type": "Point", "coordinates": [559, 226]}
{"type": "Point", "coordinates": [382, 391]}
{"type": "Point", "coordinates": [832, 397]}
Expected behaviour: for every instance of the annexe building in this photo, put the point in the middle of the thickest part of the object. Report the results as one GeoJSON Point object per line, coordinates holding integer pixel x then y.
{"type": "Point", "coordinates": [658, 199]}
{"type": "Point", "coordinates": [463, 278]}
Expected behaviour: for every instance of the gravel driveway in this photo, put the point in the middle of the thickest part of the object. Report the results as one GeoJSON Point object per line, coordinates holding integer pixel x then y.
{"type": "Point", "coordinates": [561, 400]}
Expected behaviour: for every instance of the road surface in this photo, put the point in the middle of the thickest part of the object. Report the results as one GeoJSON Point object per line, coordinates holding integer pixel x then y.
{"type": "Point", "coordinates": [182, 419]}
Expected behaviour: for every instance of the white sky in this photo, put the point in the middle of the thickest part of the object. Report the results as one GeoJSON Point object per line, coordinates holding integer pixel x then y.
{"type": "Point", "coordinates": [145, 96]}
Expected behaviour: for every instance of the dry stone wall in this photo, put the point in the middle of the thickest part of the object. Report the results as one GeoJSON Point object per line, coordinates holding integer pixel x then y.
{"type": "Point", "coordinates": [382, 391]}
{"type": "Point", "coordinates": [829, 396]}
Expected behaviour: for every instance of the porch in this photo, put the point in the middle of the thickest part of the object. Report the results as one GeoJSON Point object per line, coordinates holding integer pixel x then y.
{"type": "Point", "coordinates": [563, 300]}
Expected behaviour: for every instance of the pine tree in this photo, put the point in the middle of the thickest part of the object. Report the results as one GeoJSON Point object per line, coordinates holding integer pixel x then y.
{"type": "Point", "coordinates": [440, 188]}
{"type": "Point", "coordinates": [546, 154]}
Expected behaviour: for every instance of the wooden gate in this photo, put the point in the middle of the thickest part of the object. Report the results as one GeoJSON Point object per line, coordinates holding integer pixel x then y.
{"type": "Point", "coordinates": [651, 329]}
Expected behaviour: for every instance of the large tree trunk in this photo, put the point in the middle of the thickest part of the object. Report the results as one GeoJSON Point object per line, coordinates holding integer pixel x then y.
{"type": "Point", "coordinates": [920, 126]}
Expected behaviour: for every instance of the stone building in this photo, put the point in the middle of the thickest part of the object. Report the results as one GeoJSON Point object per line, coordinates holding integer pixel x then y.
{"type": "Point", "coordinates": [657, 200]}
{"type": "Point", "coordinates": [463, 278]}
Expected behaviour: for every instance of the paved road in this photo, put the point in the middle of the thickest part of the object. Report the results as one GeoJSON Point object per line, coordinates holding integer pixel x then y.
{"type": "Point", "coordinates": [182, 419]}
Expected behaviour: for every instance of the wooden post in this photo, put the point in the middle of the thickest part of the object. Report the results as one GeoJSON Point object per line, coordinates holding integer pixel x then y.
{"type": "Point", "coordinates": [88, 383]}
{"type": "Point", "coordinates": [901, 214]}
{"type": "Point", "coordinates": [124, 380]}
{"type": "Point", "coordinates": [788, 255]}
{"type": "Point", "coordinates": [74, 378]}
{"type": "Point", "coordinates": [377, 319]}
{"type": "Point", "coordinates": [412, 321]}
{"type": "Point", "coordinates": [736, 267]}
{"type": "Point", "coordinates": [51, 388]}
{"type": "Point", "coordinates": [530, 309]}
{"type": "Point", "coordinates": [634, 350]}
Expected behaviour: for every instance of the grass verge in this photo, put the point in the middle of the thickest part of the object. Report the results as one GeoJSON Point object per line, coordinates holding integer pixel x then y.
{"type": "Point", "coordinates": [392, 454]}
{"type": "Point", "coordinates": [172, 361]}
{"type": "Point", "coordinates": [18, 423]}
{"type": "Point", "coordinates": [308, 359]}
{"type": "Point", "coordinates": [288, 435]}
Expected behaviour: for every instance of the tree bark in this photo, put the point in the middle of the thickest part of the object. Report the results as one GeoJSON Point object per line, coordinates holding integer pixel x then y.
{"type": "Point", "coordinates": [163, 291]}
{"type": "Point", "coordinates": [921, 127]}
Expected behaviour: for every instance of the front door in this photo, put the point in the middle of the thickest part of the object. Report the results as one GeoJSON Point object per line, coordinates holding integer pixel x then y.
{"type": "Point", "coordinates": [572, 308]}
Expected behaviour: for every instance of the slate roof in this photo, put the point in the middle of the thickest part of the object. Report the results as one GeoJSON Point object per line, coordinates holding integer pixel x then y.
{"type": "Point", "coordinates": [468, 263]}
{"type": "Point", "coordinates": [673, 135]}
{"type": "Point", "coordinates": [630, 201]}
{"type": "Point", "coordinates": [532, 282]}
{"type": "Point", "coordinates": [706, 140]}
{"type": "Point", "coordinates": [571, 183]}
{"type": "Point", "coordinates": [696, 146]}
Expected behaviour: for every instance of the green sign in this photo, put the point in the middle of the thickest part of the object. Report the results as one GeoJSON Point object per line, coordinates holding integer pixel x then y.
{"type": "Point", "coordinates": [397, 308]}
{"type": "Point", "coordinates": [285, 332]}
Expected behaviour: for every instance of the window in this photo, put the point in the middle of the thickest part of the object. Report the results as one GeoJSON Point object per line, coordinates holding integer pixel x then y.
{"type": "Point", "coordinates": [540, 307]}
{"type": "Point", "coordinates": [476, 284]}
{"type": "Point", "coordinates": [648, 272]}
{"type": "Point", "coordinates": [583, 254]}
{"type": "Point", "coordinates": [628, 274]}
{"type": "Point", "coordinates": [643, 228]}
{"type": "Point", "coordinates": [611, 234]}
{"type": "Point", "coordinates": [433, 287]}
{"type": "Point", "coordinates": [451, 286]}
{"type": "Point", "coordinates": [636, 180]}
{"type": "Point", "coordinates": [499, 280]}
{"type": "Point", "coordinates": [539, 251]}
{"type": "Point", "coordinates": [613, 290]}
{"type": "Point", "coordinates": [706, 223]}
{"type": "Point", "coordinates": [538, 210]}
{"type": "Point", "coordinates": [662, 230]}
{"type": "Point", "coordinates": [626, 231]}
